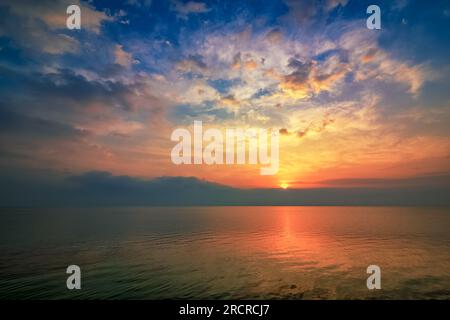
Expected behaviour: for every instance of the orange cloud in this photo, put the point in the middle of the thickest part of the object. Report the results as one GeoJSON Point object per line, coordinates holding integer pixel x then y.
{"type": "Point", "coordinates": [250, 65]}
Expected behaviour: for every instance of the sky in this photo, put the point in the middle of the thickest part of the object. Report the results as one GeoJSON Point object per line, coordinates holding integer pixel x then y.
{"type": "Point", "coordinates": [355, 108]}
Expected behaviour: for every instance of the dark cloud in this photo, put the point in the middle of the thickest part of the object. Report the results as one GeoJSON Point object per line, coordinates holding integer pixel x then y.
{"type": "Point", "coordinates": [236, 60]}
{"type": "Point", "coordinates": [315, 127]}
{"type": "Point", "coordinates": [31, 141]}
{"type": "Point", "coordinates": [198, 61]}
{"type": "Point", "coordinates": [19, 125]}
{"type": "Point", "coordinates": [302, 71]}
{"type": "Point", "coordinates": [65, 88]}
{"type": "Point", "coordinates": [39, 27]}
{"type": "Point", "coordinates": [284, 131]}
{"type": "Point", "coordinates": [341, 54]}
{"type": "Point", "coordinates": [305, 12]}
{"type": "Point", "coordinates": [60, 112]}
{"type": "Point", "coordinates": [68, 85]}
{"type": "Point", "coordinates": [105, 189]}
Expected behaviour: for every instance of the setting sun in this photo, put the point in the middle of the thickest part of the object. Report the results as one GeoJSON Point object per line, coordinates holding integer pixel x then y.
{"type": "Point", "coordinates": [284, 185]}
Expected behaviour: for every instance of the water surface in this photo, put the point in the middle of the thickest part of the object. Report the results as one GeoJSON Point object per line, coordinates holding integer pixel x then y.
{"type": "Point", "coordinates": [226, 252]}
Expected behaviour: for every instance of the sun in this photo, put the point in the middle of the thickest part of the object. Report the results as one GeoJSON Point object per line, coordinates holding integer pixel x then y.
{"type": "Point", "coordinates": [284, 186]}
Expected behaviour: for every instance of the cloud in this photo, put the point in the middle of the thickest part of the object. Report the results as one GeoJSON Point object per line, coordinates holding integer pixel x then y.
{"type": "Point", "coordinates": [351, 95]}
{"type": "Point", "coordinates": [250, 65]}
{"type": "Point", "coordinates": [53, 13]}
{"type": "Point", "coordinates": [100, 188]}
{"type": "Point", "coordinates": [66, 85]}
{"type": "Point", "coordinates": [190, 7]}
{"type": "Point", "coordinates": [315, 127]}
{"type": "Point", "coordinates": [123, 58]}
{"type": "Point", "coordinates": [284, 132]}
{"type": "Point", "coordinates": [274, 36]}
{"type": "Point", "coordinates": [63, 92]}
{"type": "Point", "coordinates": [229, 100]}
{"type": "Point", "coordinates": [13, 123]}
{"type": "Point", "coordinates": [198, 92]}
{"type": "Point", "coordinates": [192, 64]}
{"type": "Point", "coordinates": [297, 82]}
{"type": "Point", "coordinates": [63, 113]}
{"type": "Point", "coordinates": [247, 62]}
{"type": "Point", "coordinates": [369, 62]}
{"type": "Point", "coordinates": [308, 11]}
{"type": "Point", "coordinates": [332, 4]}
{"type": "Point", "coordinates": [111, 125]}
{"type": "Point", "coordinates": [41, 25]}
{"type": "Point", "coordinates": [236, 64]}
{"type": "Point", "coordinates": [312, 77]}
{"type": "Point", "coordinates": [32, 36]}
{"type": "Point", "coordinates": [30, 141]}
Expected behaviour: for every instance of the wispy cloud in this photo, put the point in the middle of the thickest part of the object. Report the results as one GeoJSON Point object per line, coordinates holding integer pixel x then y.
{"type": "Point", "coordinates": [184, 9]}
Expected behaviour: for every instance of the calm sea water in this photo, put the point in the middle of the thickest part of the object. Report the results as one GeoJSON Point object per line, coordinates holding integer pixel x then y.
{"type": "Point", "coordinates": [226, 252]}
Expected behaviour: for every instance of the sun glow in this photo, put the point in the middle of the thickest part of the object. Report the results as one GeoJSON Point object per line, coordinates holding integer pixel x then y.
{"type": "Point", "coordinates": [284, 186]}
